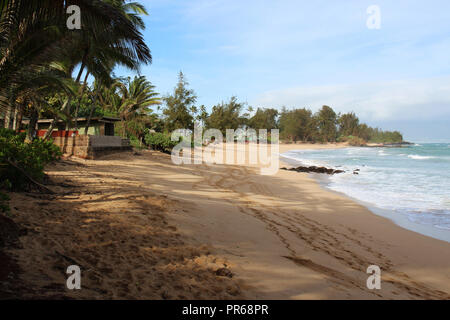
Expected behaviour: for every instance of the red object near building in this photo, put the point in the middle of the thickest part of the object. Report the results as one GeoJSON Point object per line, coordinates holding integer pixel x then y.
{"type": "Point", "coordinates": [58, 134]}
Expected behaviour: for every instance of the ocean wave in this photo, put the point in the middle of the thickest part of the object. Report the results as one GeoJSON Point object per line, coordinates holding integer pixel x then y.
{"type": "Point", "coordinates": [437, 218]}
{"type": "Point", "coordinates": [417, 157]}
{"type": "Point", "coordinates": [305, 162]}
{"type": "Point", "coordinates": [415, 191]}
{"type": "Point", "coordinates": [442, 227]}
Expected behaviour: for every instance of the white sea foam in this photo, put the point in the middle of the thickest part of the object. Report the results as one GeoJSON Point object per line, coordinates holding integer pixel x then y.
{"type": "Point", "coordinates": [303, 161]}
{"type": "Point", "coordinates": [417, 157]}
{"type": "Point", "coordinates": [412, 182]}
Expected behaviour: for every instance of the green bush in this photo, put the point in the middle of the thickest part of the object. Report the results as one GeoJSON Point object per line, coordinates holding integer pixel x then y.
{"type": "Point", "coordinates": [4, 207]}
{"type": "Point", "coordinates": [352, 140]}
{"type": "Point", "coordinates": [356, 141]}
{"type": "Point", "coordinates": [136, 143]}
{"type": "Point", "coordinates": [160, 141]}
{"type": "Point", "coordinates": [29, 157]}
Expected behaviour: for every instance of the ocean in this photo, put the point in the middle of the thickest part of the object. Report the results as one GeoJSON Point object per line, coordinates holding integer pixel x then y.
{"type": "Point", "coordinates": [410, 185]}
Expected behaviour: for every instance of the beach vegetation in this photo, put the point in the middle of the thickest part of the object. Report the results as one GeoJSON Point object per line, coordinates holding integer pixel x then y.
{"type": "Point", "coordinates": [264, 118]}
{"type": "Point", "coordinates": [379, 136]}
{"type": "Point", "coordinates": [327, 124]}
{"type": "Point", "coordinates": [180, 110]}
{"type": "Point", "coordinates": [21, 162]}
{"type": "Point", "coordinates": [160, 141]}
{"type": "Point", "coordinates": [226, 115]}
{"type": "Point", "coordinates": [4, 205]}
{"type": "Point", "coordinates": [348, 124]}
{"type": "Point", "coordinates": [354, 141]}
{"type": "Point", "coordinates": [39, 55]}
{"type": "Point", "coordinates": [49, 71]}
{"type": "Point", "coordinates": [133, 102]}
{"type": "Point", "coordinates": [297, 125]}
{"type": "Point", "coordinates": [46, 69]}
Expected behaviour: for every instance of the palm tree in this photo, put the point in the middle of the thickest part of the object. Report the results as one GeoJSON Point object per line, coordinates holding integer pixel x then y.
{"type": "Point", "coordinates": [131, 101]}
{"type": "Point", "coordinates": [99, 58]}
{"type": "Point", "coordinates": [33, 35]}
{"type": "Point", "coordinates": [26, 46]}
{"type": "Point", "coordinates": [30, 90]}
{"type": "Point", "coordinates": [121, 42]}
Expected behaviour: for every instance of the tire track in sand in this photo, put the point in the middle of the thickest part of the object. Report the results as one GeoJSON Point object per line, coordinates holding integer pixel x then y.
{"type": "Point", "coordinates": [314, 236]}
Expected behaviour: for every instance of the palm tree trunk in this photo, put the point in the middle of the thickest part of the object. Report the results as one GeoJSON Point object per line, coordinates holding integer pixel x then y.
{"type": "Point", "coordinates": [77, 81]}
{"type": "Point", "coordinates": [124, 128]}
{"type": "Point", "coordinates": [79, 100]}
{"type": "Point", "coordinates": [19, 118]}
{"type": "Point", "coordinates": [83, 65]}
{"type": "Point", "coordinates": [55, 120]}
{"type": "Point", "coordinates": [91, 113]}
{"type": "Point", "coordinates": [8, 118]}
{"type": "Point", "coordinates": [16, 114]}
{"type": "Point", "coordinates": [4, 120]}
{"type": "Point", "coordinates": [32, 125]}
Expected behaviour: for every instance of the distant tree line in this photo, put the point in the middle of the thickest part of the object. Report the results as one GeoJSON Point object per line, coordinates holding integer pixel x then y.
{"type": "Point", "coordinates": [328, 126]}
{"type": "Point", "coordinates": [294, 124]}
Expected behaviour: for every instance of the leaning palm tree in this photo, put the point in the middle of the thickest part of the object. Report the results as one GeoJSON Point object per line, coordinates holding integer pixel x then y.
{"type": "Point", "coordinates": [101, 53]}
{"type": "Point", "coordinates": [32, 90]}
{"type": "Point", "coordinates": [120, 42]}
{"type": "Point", "coordinates": [27, 44]}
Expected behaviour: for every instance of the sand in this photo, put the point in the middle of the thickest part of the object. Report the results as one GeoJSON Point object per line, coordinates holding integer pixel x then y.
{"type": "Point", "coordinates": [141, 227]}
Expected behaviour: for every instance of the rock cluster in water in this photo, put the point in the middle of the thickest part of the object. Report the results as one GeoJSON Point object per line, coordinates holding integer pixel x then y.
{"type": "Point", "coordinates": [314, 169]}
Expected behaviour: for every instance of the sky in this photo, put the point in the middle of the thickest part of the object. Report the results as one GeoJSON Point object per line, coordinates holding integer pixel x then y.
{"type": "Point", "coordinates": [308, 54]}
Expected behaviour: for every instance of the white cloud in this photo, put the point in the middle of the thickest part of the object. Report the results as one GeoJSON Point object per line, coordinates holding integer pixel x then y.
{"type": "Point", "coordinates": [403, 99]}
{"type": "Point", "coordinates": [245, 48]}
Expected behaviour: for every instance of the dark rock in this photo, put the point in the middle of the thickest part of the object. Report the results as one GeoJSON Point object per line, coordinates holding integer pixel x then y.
{"type": "Point", "coordinates": [165, 295]}
{"type": "Point", "coordinates": [224, 272]}
{"type": "Point", "coordinates": [314, 169]}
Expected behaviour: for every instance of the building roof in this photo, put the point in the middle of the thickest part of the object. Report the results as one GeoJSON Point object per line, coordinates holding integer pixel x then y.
{"type": "Point", "coordinates": [94, 119]}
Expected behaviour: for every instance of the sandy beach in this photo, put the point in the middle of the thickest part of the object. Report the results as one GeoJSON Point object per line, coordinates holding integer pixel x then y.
{"type": "Point", "coordinates": [141, 227]}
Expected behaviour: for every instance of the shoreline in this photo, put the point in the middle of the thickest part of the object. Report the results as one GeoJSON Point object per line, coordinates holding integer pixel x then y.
{"type": "Point", "coordinates": [395, 217]}
{"type": "Point", "coordinates": [145, 228]}
{"type": "Point", "coordinates": [392, 216]}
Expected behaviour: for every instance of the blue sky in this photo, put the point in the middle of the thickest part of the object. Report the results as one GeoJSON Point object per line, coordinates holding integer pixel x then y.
{"type": "Point", "coordinates": [310, 53]}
